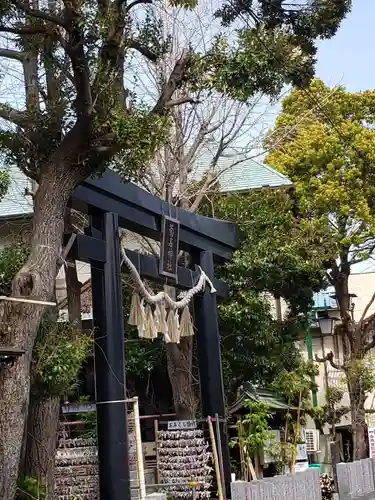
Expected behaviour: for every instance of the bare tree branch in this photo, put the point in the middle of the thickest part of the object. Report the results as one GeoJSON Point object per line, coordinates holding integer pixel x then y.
{"type": "Point", "coordinates": [12, 54]}
{"type": "Point", "coordinates": [203, 131]}
{"type": "Point", "coordinates": [370, 345]}
{"type": "Point", "coordinates": [74, 47]}
{"type": "Point", "coordinates": [173, 83]}
{"type": "Point", "coordinates": [24, 30]}
{"type": "Point", "coordinates": [12, 115]}
{"type": "Point", "coordinates": [330, 358]}
{"type": "Point", "coordinates": [133, 4]}
{"type": "Point", "coordinates": [202, 193]}
{"type": "Point", "coordinates": [365, 311]}
{"type": "Point", "coordinates": [38, 14]}
{"type": "Point", "coordinates": [142, 49]}
{"type": "Point", "coordinates": [181, 100]}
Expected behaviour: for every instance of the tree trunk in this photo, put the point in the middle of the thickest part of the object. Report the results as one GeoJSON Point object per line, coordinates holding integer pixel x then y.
{"type": "Point", "coordinates": [358, 416]}
{"type": "Point", "coordinates": [73, 292]}
{"type": "Point", "coordinates": [353, 351]}
{"type": "Point", "coordinates": [19, 321]}
{"type": "Point", "coordinates": [179, 361]}
{"type": "Point", "coordinates": [42, 426]}
{"type": "Point", "coordinates": [42, 441]}
{"type": "Point", "coordinates": [180, 372]}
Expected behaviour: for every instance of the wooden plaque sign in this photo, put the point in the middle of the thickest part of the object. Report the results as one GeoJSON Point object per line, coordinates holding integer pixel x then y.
{"type": "Point", "coordinates": [169, 247]}
{"type": "Point", "coordinates": [181, 425]}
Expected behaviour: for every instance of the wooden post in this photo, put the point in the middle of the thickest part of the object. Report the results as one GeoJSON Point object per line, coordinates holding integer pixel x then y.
{"type": "Point", "coordinates": [220, 452]}
{"type": "Point", "coordinates": [109, 355]}
{"type": "Point", "coordinates": [336, 459]}
{"type": "Point", "coordinates": [209, 358]}
{"type": "Point", "coordinates": [216, 460]}
{"type": "Point", "coordinates": [156, 429]}
{"type": "Point", "coordinates": [138, 438]}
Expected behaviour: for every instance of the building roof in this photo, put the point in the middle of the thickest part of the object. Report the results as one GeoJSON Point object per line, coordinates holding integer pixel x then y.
{"type": "Point", "coordinates": [236, 175]}
{"type": "Point", "coordinates": [239, 175]}
{"type": "Point", "coordinates": [260, 395]}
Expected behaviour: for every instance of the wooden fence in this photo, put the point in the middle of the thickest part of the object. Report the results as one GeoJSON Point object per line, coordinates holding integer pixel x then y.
{"type": "Point", "coordinates": [299, 486]}
{"type": "Point", "coordinates": [356, 480]}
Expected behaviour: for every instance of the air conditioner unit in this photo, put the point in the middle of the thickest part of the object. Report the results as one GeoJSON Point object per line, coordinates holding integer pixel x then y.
{"type": "Point", "coordinates": [312, 440]}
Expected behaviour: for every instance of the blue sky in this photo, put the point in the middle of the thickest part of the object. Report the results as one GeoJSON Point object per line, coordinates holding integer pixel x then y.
{"type": "Point", "coordinates": [348, 58]}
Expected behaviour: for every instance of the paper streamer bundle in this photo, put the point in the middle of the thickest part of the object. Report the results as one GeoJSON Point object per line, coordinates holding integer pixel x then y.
{"type": "Point", "coordinates": [161, 321]}
{"type": "Point", "coordinates": [135, 310]}
{"type": "Point", "coordinates": [150, 331]}
{"type": "Point", "coordinates": [186, 323]}
{"type": "Point", "coordinates": [148, 322]}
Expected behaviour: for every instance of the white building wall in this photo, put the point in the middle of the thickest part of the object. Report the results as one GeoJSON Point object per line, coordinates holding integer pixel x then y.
{"type": "Point", "coordinates": [362, 285]}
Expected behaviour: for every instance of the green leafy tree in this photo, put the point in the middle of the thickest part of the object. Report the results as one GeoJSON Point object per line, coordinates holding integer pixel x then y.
{"type": "Point", "coordinates": [80, 116]}
{"type": "Point", "coordinates": [329, 155]}
{"type": "Point", "coordinates": [331, 412]}
{"type": "Point", "coordinates": [11, 258]}
{"type": "Point", "coordinates": [58, 356]}
{"type": "Point", "coordinates": [57, 359]}
{"type": "Point", "coordinates": [280, 256]}
{"type": "Point", "coordinates": [279, 36]}
{"type": "Point", "coordinates": [254, 346]}
{"type": "Point", "coordinates": [5, 179]}
{"type": "Point", "coordinates": [253, 434]}
{"type": "Point", "coordinates": [296, 386]}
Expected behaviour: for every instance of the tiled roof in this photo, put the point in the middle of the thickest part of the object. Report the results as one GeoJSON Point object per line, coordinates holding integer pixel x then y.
{"type": "Point", "coordinates": [15, 202]}
{"type": "Point", "coordinates": [251, 175]}
{"type": "Point", "coordinates": [258, 394]}
{"type": "Point", "coordinates": [238, 175]}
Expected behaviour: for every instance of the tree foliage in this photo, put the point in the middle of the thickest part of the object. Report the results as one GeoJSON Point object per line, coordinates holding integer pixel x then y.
{"type": "Point", "coordinates": [84, 47]}
{"type": "Point", "coordinates": [57, 359]}
{"type": "Point", "coordinates": [253, 434]}
{"type": "Point", "coordinates": [296, 385]}
{"type": "Point", "coordinates": [280, 253]}
{"type": "Point", "coordinates": [4, 183]}
{"type": "Point", "coordinates": [279, 256]}
{"type": "Point", "coordinates": [278, 37]}
{"type": "Point", "coordinates": [61, 348]}
{"type": "Point", "coordinates": [331, 412]}
{"type": "Point", "coordinates": [254, 347]}
{"type": "Point", "coordinates": [256, 427]}
{"type": "Point", "coordinates": [29, 488]}
{"type": "Point", "coordinates": [11, 259]}
{"type": "Point", "coordinates": [329, 154]}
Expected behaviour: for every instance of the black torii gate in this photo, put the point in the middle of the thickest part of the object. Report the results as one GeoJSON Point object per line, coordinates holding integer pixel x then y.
{"type": "Point", "coordinates": [111, 205]}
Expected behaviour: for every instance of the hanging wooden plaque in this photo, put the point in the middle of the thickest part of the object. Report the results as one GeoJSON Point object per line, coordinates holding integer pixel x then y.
{"type": "Point", "coordinates": [169, 247]}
